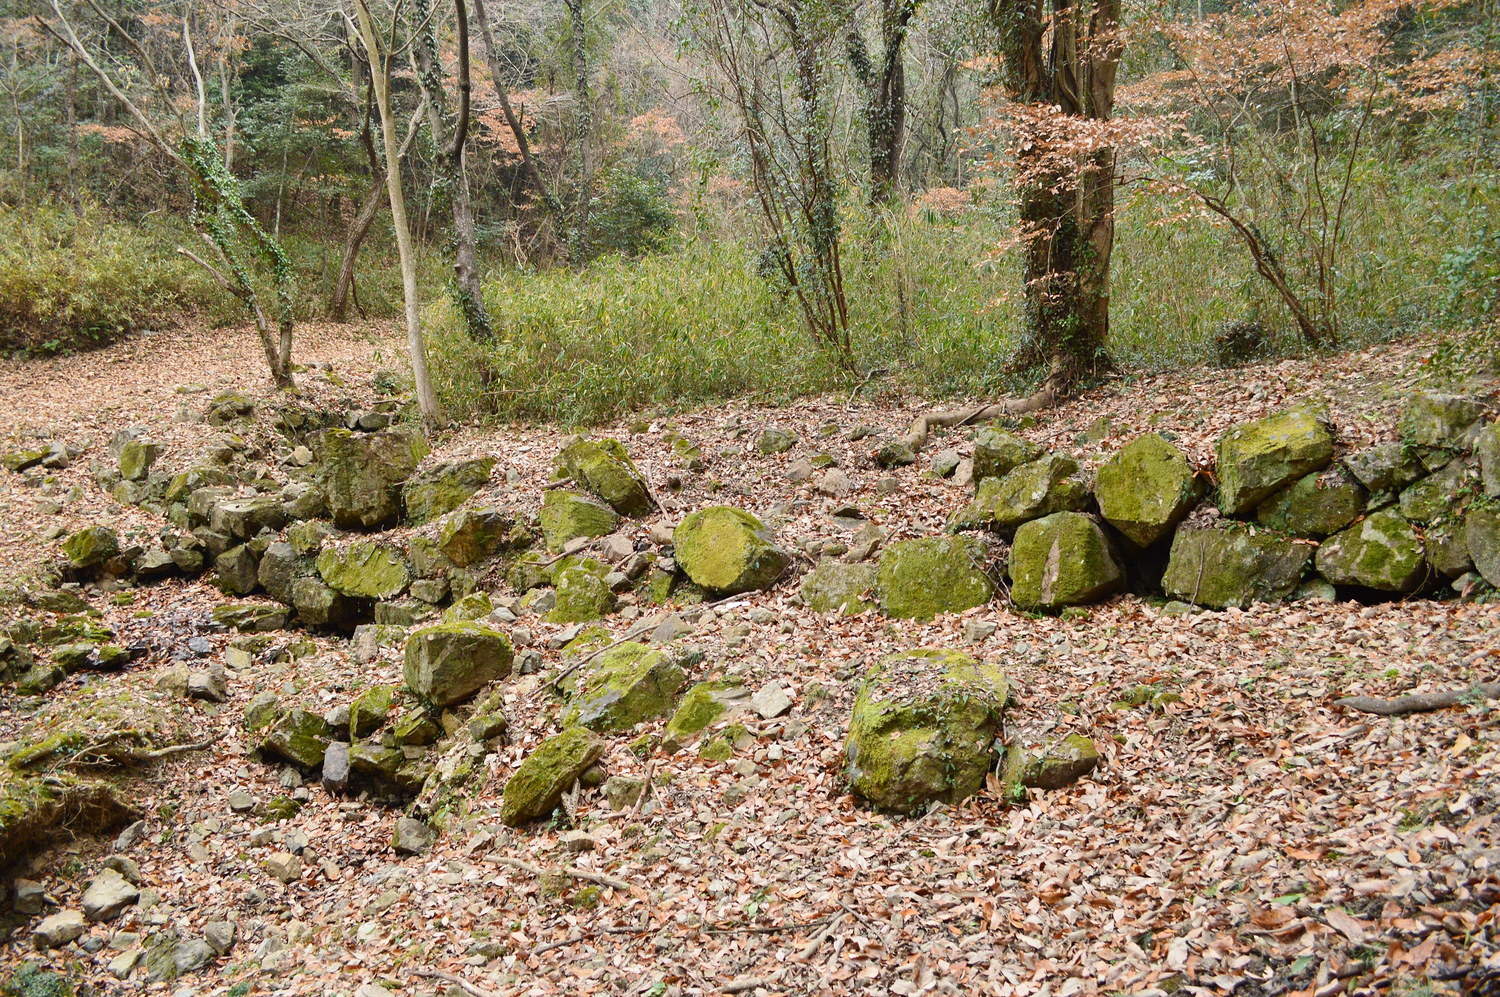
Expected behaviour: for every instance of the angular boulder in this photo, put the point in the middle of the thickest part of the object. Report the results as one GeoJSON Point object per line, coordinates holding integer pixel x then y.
{"type": "Point", "coordinates": [1231, 567]}
{"type": "Point", "coordinates": [918, 579]}
{"type": "Point", "coordinates": [1062, 560]}
{"type": "Point", "coordinates": [472, 535]}
{"type": "Point", "coordinates": [449, 662]}
{"type": "Point", "coordinates": [299, 737]}
{"type": "Point", "coordinates": [1031, 491]}
{"type": "Point", "coordinates": [703, 704]}
{"type": "Point", "coordinates": [91, 547]}
{"type": "Point", "coordinates": [1315, 505]}
{"type": "Point", "coordinates": [539, 782]}
{"type": "Point", "coordinates": [246, 517]}
{"type": "Point", "coordinates": [566, 515]}
{"type": "Point", "coordinates": [238, 570]}
{"type": "Point", "coordinates": [834, 587]}
{"type": "Point", "coordinates": [624, 686]}
{"type": "Point", "coordinates": [997, 453]}
{"type": "Point", "coordinates": [1257, 459]}
{"type": "Point", "coordinates": [727, 551]}
{"type": "Point", "coordinates": [1433, 498]}
{"type": "Point", "coordinates": [369, 709]}
{"type": "Point", "coordinates": [1487, 450]}
{"type": "Point", "coordinates": [364, 570]}
{"type": "Point", "coordinates": [581, 596]}
{"type": "Point", "coordinates": [1443, 421]}
{"type": "Point", "coordinates": [361, 474]}
{"type": "Point", "coordinates": [136, 458]}
{"type": "Point", "coordinates": [1482, 537]}
{"type": "Point", "coordinates": [1383, 467]}
{"type": "Point", "coordinates": [441, 489]}
{"type": "Point", "coordinates": [1146, 489]}
{"type": "Point", "coordinates": [280, 567]}
{"type": "Point", "coordinates": [605, 469]}
{"type": "Point", "coordinates": [318, 604]}
{"type": "Point", "coordinates": [922, 728]}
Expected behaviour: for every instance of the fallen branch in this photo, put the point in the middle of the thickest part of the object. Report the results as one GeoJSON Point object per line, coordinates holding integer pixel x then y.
{"type": "Point", "coordinates": [763, 929]}
{"type": "Point", "coordinates": [458, 981]}
{"type": "Point", "coordinates": [1424, 702]}
{"type": "Point", "coordinates": [640, 801]}
{"type": "Point", "coordinates": [559, 483]}
{"type": "Point", "coordinates": [568, 870]}
{"type": "Point", "coordinates": [747, 983]}
{"type": "Point", "coordinates": [916, 438]}
{"type": "Point", "coordinates": [823, 936]}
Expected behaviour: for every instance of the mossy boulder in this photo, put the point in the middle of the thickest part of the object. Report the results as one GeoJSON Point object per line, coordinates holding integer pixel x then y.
{"type": "Point", "coordinates": [185, 483]}
{"type": "Point", "coordinates": [449, 662]}
{"type": "Point", "coordinates": [834, 587]}
{"type": "Point", "coordinates": [1233, 567]}
{"type": "Point", "coordinates": [280, 567]}
{"type": "Point", "coordinates": [581, 596]}
{"type": "Point", "coordinates": [1315, 505]}
{"type": "Point", "coordinates": [529, 571]}
{"type": "Point", "coordinates": [299, 737]}
{"type": "Point", "coordinates": [997, 453]}
{"type": "Point", "coordinates": [237, 570]}
{"type": "Point", "coordinates": [1257, 459]}
{"type": "Point", "coordinates": [374, 759]}
{"type": "Point", "coordinates": [474, 606]}
{"type": "Point", "coordinates": [624, 686]}
{"type": "Point", "coordinates": [361, 474]}
{"type": "Point", "coordinates": [1072, 758]}
{"type": "Point", "coordinates": [441, 489]}
{"type": "Point", "coordinates": [1146, 489]}
{"type": "Point", "coordinates": [1487, 452]}
{"type": "Point", "coordinates": [246, 517]}
{"type": "Point", "coordinates": [774, 441]}
{"type": "Point", "coordinates": [703, 704]}
{"type": "Point", "coordinates": [364, 569]}
{"type": "Point", "coordinates": [250, 617]}
{"type": "Point", "coordinates": [922, 728]}
{"type": "Point", "coordinates": [727, 551]}
{"type": "Point", "coordinates": [918, 579]}
{"type": "Point", "coordinates": [136, 458]}
{"type": "Point", "coordinates": [473, 535]}
{"type": "Point", "coordinates": [1482, 537]}
{"type": "Point", "coordinates": [605, 469]}
{"type": "Point", "coordinates": [91, 547]}
{"type": "Point", "coordinates": [1062, 560]}
{"type": "Point", "coordinates": [1384, 467]}
{"type": "Point", "coordinates": [369, 709]}
{"type": "Point", "coordinates": [569, 514]}
{"type": "Point", "coordinates": [1448, 550]}
{"type": "Point", "coordinates": [319, 604]}
{"type": "Point", "coordinates": [1434, 419]}
{"type": "Point", "coordinates": [1031, 491]}
{"type": "Point", "coordinates": [538, 784]}
{"type": "Point", "coordinates": [1433, 498]}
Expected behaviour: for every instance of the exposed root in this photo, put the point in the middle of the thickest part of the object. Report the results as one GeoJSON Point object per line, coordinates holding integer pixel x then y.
{"type": "Point", "coordinates": [1044, 397]}
{"type": "Point", "coordinates": [38, 811]}
{"type": "Point", "coordinates": [1424, 702]}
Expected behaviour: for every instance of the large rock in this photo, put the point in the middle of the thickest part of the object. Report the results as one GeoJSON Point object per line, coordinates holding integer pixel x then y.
{"type": "Point", "coordinates": [91, 547]}
{"type": "Point", "coordinates": [567, 515]}
{"type": "Point", "coordinates": [1482, 536]}
{"type": "Point", "coordinates": [1315, 505]}
{"type": "Point", "coordinates": [605, 469]}
{"type": "Point", "coordinates": [318, 604]}
{"type": "Point", "coordinates": [369, 709]}
{"type": "Point", "coordinates": [246, 517]}
{"type": "Point", "coordinates": [727, 551]}
{"type": "Point", "coordinates": [834, 587]}
{"type": "Point", "coordinates": [365, 570]}
{"type": "Point", "coordinates": [441, 489]}
{"type": "Point", "coordinates": [299, 737]}
{"type": "Point", "coordinates": [1384, 467]}
{"type": "Point", "coordinates": [238, 570]}
{"type": "Point", "coordinates": [1231, 567]}
{"type": "Point", "coordinates": [581, 596]}
{"type": "Point", "coordinates": [473, 535]}
{"type": "Point", "coordinates": [1031, 491]}
{"type": "Point", "coordinates": [1062, 560]}
{"type": "Point", "coordinates": [1447, 422]}
{"type": "Point", "coordinates": [280, 567]}
{"type": "Point", "coordinates": [703, 704]}
{"type": "Point", "coordinates": [1487, 449]}
{"type": "Point", "coordinates": [997, 453]}
{"type": "Point", "coordinates": [136, 458]}
{"type": "Point", "coordinates": [1434, 497]}
{"type": "Point", "coordinates": [361, 474]}
{"type": "Point", "coordinates": [108, 896]}
{"type": "Point", "coordinates": [1146, 489]}
{"type": "Point", "coordinates": [1257, 459]}
{"type": "Point", "coordinates": [1380, 552]}
{"type": "Point", "coordinates": [448, 663]}
{"type": "Point", "coordinates": [922, 727]}
{"type": "Point", "coordinates": [185, 483]}
{"type": "Point", "coordinates": [919, 579]}
{"type": "Point", "coordinates": [624, 686]}
{"type": "Point", "coordinates": [551, 770]}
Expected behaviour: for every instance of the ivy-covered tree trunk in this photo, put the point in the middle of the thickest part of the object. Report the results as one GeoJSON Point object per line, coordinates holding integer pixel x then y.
{"type": "Point", "coordinates": [884, 86]}
{"type": "Point", "coordinates": [1063, 54]}
{"type": "Point", "coordinates": [579, 238]}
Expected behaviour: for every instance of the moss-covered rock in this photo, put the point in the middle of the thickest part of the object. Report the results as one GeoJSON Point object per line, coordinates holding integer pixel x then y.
{"type": "Point", "coordinates": [364, 569]}
{"type": "Point", "coordinates": [320, 605]}
{"type": "Point", "coordinates": [374, 759]}
{"type": "Point", "coordinates": [1482, 537]}
{"type": "Point", "coordinates": [1074, 757]}
{"type": "Point", "coordinates": [1448, 551]}
{"type": "Point", "coordinates": [1433, 419]}
{"type": "Point", "coordinates": [473, 535]}
{"type": "Point", "coordinates": [568, 514]}
{"type": "Point", "coordinates": [918, 579]}
{"type": "Point", "coordinates": [299, 737]}
{"type": "Point", "coordinates": [369, 709]}
{"type": "Point", "coordinates": [539, 783]}
{"type": "Point", "coordinates": [703, 704]}
{"type": "Point", "coordinates": [1232, 567]}
{"type": "Point", "coordinates": [250, 617]}
{"type": "Point", "coordinates": [441, 489]}
{"type": "Point", "coordinates": [1315, 505]}
{"type": "Point", "coordinates": [237, 570]}
{"type": "Point", "coordinates": [581, 596]}
{"type": "Point", "coordinates": [91, 547]}
{"type": "Point", "coordinates": [185, 483]}
{"type": "Point", "coordinates": [833, 587]}
{"type": "Point", "coordinates": [624, 686]}
{"type": "Point", "coordinates": [728, 551]}
{"type": "Point", "coordinates": [1031, 491]}
{"type": "Point", "coordinates": [997, 453]}
{"type": "Point", "coordinates": [246, 517]}
{"type": "Point", "coordinates": [1146, 489]}
{"type": "Point", "coordinates": [361, 474]}
{"type": "Point", "coordinates": [1384, 467]}
{"type": "Point", "coordinates": [774, 441]}
{"type": "Point", "coordinates": [1433, 498]}
{"type": "Point", "coordinates": [1487, 452]}
{"type": "Point", "coordinates": [605, 469]}
{"type": "Point", "coordinates": [136, 458]}
{"type": "Point", "coordinates": [474, 606]}
{"type": "Point", "coordinates": [1257, 459]}
{"type": "Point", "coordinates": [449, 662]}
{"type": "Point", "coordinates": [1062, 560]}
{"type": "Point", "coordinates": [280, 567]}
{"type": "Point", "coordinates": [922, 727]}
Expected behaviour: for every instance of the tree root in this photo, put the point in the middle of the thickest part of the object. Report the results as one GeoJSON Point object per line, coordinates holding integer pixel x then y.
{"type": "Point", "coordinates": [1044, 397]}
{"type": "Point", "coordinates": [1420, 703]}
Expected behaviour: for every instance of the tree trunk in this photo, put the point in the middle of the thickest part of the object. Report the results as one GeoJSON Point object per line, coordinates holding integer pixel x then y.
{"type": "Point", "coordinates": [72, 99]}
{"type": "Point", "coordinates": [338, 308]}
{"type": "Point", "coordinates": [578, 252]}
{"type": "Point", "coordinates": [884, 88]}
{"type": "Point", "coordinates": [380, 75]}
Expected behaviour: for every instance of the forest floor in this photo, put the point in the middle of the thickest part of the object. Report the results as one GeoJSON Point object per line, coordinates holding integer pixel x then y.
{"type": "Point", "coordinates": [1250, 838]}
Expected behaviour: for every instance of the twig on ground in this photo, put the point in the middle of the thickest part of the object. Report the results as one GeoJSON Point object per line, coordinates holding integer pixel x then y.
{"type": "Point", "coordinates": [747, 983]}
{"type": "Point", "coordinates": [640, 801]}
{"type": "Point", "coordinates": [458, 981]}
{"type": "Point", "coordinates": [763, 929]}
{"type": "Point", "coordinates": [559, 483]}
{"type": "Point", "coordinates": [822, 936]}
{"type": "Point", "coordinates": [603, 879]}
{"type": "Point", "coordinates": [1423, 702]}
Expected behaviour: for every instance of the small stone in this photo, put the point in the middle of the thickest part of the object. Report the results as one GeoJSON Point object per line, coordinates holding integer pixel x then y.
{"type": "Point", "coordinates": [28, 897]}
{"type": "Point", "coordinates": [60, 929]}
{"type": "Point", "coordinates": [578, 841]}
{"type": "Point", "coordinates": [888, 486]}
{"type": "Point", "coordinates": [944, 464]}
{"type": "Point", "coordinates": [211, 686]}
{"type": "Point", "coordinates": [336, 767]}
{"type": "Point", "coordinates": [799, 471]}
{"type": "Point", "coordinates": [770, 702]}
{"type": "Point", "coordinates": [241, 802]}
{"type": "Point", "coordinates": [128, 837]}
{"type": "Point", "coordinates": [220, 936]}
{"type": "Point", "coordinates": [412, 837]}
{"type": "Point", "coordinates": [622, 792]}
{"type": "Point", "coordinates": [108, 895]}
{"type": "Point", "coordinates": [123, 964]}
{"type": "Point", "coordinates": [977, 631]}
{"type": "Point", "coordinates": [193, 955]}
{"type": "Point", "coordinates": [285, 867]}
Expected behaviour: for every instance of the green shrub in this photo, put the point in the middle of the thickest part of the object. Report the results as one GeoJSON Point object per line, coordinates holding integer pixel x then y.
{"type": "Point", "coordinates": [635, 216]}
{"type": "Point", "coordinates": [71, 281]}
